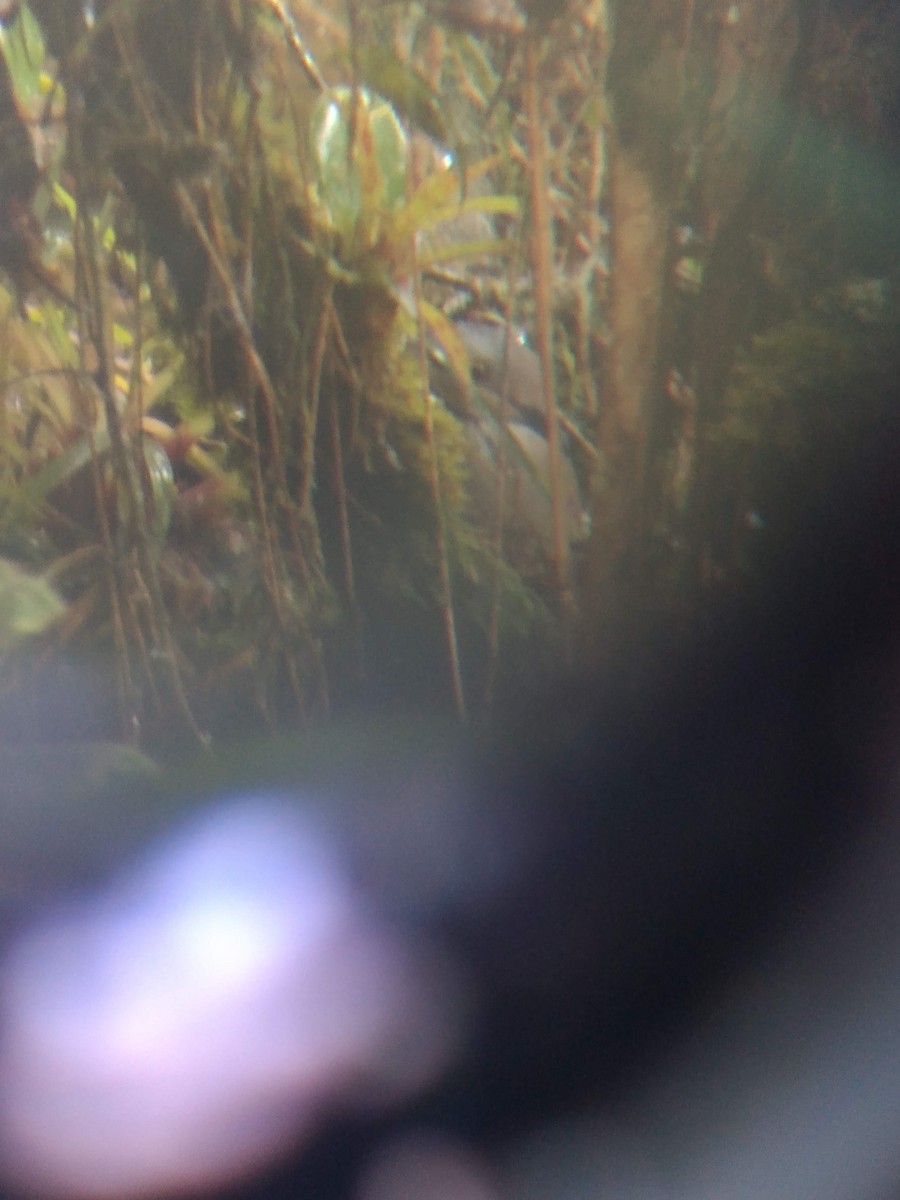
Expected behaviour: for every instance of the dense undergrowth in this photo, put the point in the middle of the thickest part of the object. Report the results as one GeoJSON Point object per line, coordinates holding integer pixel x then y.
{"type": "Point", "coordinates": [221, 441]}
{"type": "Point", "coordinates": [269, 430]}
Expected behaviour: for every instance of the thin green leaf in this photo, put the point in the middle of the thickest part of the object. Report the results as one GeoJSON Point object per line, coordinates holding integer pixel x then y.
{"type": "Point", "coordinates": [447, 336]}
{"type": "Point", "coordinates": [466, 251]}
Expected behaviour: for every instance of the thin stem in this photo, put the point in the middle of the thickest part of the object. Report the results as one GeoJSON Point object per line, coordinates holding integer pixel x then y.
{"type": "Point", "coordinates": [542, 271]}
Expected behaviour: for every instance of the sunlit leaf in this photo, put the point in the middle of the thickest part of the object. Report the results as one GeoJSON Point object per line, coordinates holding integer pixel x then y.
{"type": "Point", "coordinates": [22, 44]}
{"type": "Point", "coordinates": [65, 200]}
{"type": "Point", "coordinates": [360, 165]}
{"type": "Point", "coordinates": [507, 206]}
{"type": "Point", "coordinates": [392, 152]}
{"type": "Point", "coordinates": [441, 196]}
{"type": "Point", "coordinates": [465, 251]}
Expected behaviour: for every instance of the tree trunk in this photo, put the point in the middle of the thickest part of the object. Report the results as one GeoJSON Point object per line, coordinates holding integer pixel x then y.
{"type": "Point", "coordinates": [695, 96]}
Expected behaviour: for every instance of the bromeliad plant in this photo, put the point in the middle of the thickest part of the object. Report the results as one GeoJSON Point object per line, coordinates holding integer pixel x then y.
{"type": "Point", "coordinates": [221, 437]}
{"type": "Point", "coordinates": [375, 222]}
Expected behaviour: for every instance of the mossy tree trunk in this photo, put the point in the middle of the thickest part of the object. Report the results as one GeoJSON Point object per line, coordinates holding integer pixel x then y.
{"type": "Point", "coordinates": [695, 93]}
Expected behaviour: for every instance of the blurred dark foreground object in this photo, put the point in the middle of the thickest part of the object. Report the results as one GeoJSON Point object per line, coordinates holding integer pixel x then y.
{"type": "Point", "coordinates": [644, 940]}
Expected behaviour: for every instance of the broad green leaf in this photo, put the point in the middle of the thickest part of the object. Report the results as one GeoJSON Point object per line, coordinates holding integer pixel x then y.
{"type": "Point", "coordinates": [28, 605]}
{"type": "Point", "coordinates": [360, 164]}
{"type": "Point", "coordinates": [337, 182]}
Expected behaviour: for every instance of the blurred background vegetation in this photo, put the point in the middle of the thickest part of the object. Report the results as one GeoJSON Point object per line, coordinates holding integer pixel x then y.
{"type": "Point", "coordinates": [387, 355]}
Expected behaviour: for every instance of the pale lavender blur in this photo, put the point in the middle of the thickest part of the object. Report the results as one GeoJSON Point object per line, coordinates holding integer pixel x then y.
{"type": "Point", "coordinates": [207, 1011]}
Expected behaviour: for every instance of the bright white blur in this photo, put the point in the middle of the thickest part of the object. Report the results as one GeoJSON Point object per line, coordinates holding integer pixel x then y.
{"type": "Point", "coordinates": [205, 1012]}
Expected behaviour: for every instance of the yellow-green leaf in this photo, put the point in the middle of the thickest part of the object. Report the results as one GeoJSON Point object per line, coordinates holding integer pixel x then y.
{"type": "Point", "coordinates": [28, 605]}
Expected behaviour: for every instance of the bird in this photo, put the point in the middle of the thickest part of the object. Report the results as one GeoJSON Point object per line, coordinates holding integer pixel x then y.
{"type": "Point", "coordinates": [505, 422]}
{"type": "Point", "coordinates": [527, 500]}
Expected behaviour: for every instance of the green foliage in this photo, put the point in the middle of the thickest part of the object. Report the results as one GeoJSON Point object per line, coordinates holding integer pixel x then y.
{"type": "Point", "coordinates": [813, 375]}
{"type": "Point", "coordinates": [360, 156]}
{"type": "Point", "coordinates": [404, 89]}
{"type": "Point", "coordinates": [28, 605]}
{"type": "Point", "coordinates": [221, 437]}
{"type": "Point", "coordinates": [236, 410]}
{"type": "Point", "coordinates": [807, 397]}
{"type": "Point", "coordinates": [22, 46]}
